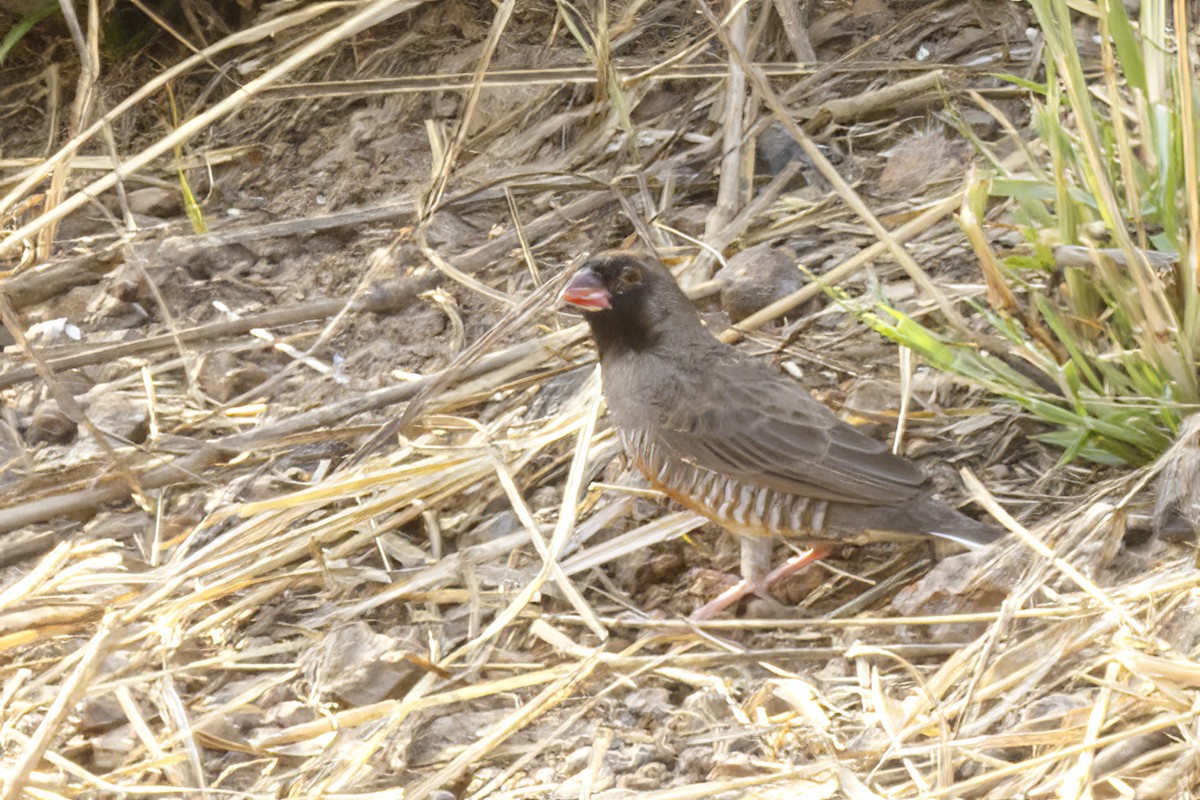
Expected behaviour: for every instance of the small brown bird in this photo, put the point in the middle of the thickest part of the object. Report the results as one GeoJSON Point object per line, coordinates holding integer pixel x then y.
{"type": "Point", "coordinates": [736, 441]}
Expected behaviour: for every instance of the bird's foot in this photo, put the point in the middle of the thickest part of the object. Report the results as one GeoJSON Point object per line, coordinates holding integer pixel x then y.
{"type": "Point", "coordinates": [724, 600]}
{"type": "Point", "coordinates": [759, 586]}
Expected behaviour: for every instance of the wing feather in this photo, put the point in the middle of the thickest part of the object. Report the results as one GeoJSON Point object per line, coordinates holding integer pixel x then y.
{"type": "Point", "coordinates": [747, 421]}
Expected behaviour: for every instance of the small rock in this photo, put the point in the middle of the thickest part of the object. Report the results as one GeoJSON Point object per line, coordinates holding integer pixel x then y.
{"type": "Point", "coordinates": [60, 328]}
{"type": "Point", "coordinates": [124, 417]}
{"type": "Point", "coordinates": [933, 385]}
{"type": "Point", "coordinates": [50, 424]}
{"type": "Point", "coordinates": [101, 711]}
{"type": "Point", "coordinates": [155, 201]}
{"type": "Point", "coordinates": [997, 473]}
{"type": "Point", "coordinates": [229, 729]}
{"type": "Point", "coordinates": [256, 488]}
{"type": "Point", "coordinates": [223, 377]}
{"type": "Point", "coordinates": [655, 103]}
{"type": "Point", "coordinates": [201, 260]}
{"type": "Point", "coordinates": [358, 665]}
{"type": "Point", "coordinates": [444, 105]}
{"type": "Point", "coordinates": [631, 757]}
{"type": "Point", "coordinates": [775, 149]}
{"type": "Point", "coordinates": [400, 550]}
{"type": "Point", "coordinates": [756, 278]}
{"type": "Point", "coordinates": [447, 229]}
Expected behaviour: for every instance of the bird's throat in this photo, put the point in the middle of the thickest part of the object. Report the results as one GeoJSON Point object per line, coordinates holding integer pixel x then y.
{"type": "Point", "coordinates": [617, 334]}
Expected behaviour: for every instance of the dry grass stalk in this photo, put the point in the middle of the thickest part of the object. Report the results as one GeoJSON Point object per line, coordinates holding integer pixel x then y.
{"type": "Point", "coordinates": [360, 20]}
{"type": "Point", "coordinates": [528, 632]}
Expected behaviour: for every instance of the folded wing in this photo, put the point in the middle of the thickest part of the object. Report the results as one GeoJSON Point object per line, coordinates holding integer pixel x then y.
{"type": "Point", "coordinates": [755, 425]}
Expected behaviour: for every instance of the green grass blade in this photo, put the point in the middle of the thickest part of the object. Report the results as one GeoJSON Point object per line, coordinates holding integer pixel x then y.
{"type": "Point", "coordinates": [24, 25]}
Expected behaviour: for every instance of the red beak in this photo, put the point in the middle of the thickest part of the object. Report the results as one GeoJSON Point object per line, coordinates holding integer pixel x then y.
{"type": "Point", "coordinates": [587, 291]}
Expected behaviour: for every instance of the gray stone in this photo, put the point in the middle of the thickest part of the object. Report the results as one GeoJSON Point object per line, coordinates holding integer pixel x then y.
{"type": "Point", "coordinates": [155, 201]}
{"type": "Point", "coordinates": [756, 278]}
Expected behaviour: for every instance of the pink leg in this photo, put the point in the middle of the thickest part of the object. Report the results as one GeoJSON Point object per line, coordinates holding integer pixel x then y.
{"type": "Point", "coordinates": [754, 582]}
{"type": "Point", "coordinates": [795, 564]}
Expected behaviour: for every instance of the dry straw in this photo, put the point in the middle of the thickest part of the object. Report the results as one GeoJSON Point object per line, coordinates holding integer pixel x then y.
{"type": "Point", "coordinates": [214, 657]}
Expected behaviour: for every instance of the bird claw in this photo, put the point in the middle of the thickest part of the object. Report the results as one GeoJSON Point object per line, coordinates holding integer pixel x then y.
{"type": "Point", "coordinates": [744, 587]}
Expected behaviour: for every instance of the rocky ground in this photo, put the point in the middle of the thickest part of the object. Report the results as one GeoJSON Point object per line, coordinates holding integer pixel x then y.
{"type": "Point", "coordinates": [232, 586]}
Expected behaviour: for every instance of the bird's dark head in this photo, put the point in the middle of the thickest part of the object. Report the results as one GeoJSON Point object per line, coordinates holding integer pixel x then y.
{"type": "Point", "coordinates": [631, 302]}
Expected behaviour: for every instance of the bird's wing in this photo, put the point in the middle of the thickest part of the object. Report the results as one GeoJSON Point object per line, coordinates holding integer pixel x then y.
{"type": "Point", "coordinates": [753, 424]}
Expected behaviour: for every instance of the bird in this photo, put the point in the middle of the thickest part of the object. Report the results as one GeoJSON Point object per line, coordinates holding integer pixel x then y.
{"type": "Point", "coordinates": [735, 440]}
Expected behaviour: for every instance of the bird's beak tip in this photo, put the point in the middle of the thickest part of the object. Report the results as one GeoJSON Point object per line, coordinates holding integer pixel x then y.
{"type": "Point", "coordinates": [587, 291]}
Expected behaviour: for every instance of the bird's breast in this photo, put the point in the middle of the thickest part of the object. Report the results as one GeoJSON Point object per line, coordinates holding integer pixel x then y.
{"type": "Point", "coordinates": [739, 505]}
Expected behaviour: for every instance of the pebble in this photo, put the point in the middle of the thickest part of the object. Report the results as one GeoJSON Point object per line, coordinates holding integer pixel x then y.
{"type": "Point", "coordinates": [775, 149]}
{"type": "Point", "coordinates": [756, 278]}
{"type": "Point", "coordinates": [50, 424]}
{"type": "Point", "coordinates": [120, 415]}
{"type": "Point", "coordinates": [358, 665]}
{"type": "Point", "coordinates": [155, 201]}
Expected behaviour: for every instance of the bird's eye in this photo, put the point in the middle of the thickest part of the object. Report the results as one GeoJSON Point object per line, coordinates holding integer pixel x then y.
{"type": "Point", "coordinates": [631, 275]}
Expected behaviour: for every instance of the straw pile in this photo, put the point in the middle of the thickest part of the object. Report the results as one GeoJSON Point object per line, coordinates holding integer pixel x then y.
{"type": "Point", "coordinates": [252, 590]}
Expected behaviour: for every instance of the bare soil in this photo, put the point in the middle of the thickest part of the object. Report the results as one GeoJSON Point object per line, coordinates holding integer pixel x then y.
{"type": "Point", "coordinates": [284, 619]}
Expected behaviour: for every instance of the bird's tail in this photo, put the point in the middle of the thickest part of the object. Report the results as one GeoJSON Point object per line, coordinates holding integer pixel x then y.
{"type": "Point", "coordinates": [944, 522]}
{"type": "Point", "coordinates": [922, 516]}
